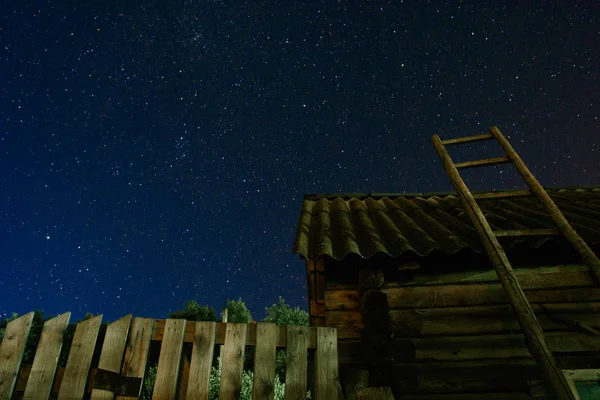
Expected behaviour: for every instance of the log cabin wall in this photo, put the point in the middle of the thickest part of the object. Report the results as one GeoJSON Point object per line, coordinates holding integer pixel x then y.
{"type": "Point", "coordinates": [454, 336]}
{"type": "Point", "coordinates": [416, 302]}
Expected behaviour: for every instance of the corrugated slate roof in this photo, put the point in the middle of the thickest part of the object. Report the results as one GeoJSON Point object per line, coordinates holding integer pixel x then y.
{"type": "Point", "coordinates": [365, 224]}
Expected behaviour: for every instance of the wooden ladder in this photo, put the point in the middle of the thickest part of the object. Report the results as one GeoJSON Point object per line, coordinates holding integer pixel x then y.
{"type": "Point", "coordinates": [552, 374]}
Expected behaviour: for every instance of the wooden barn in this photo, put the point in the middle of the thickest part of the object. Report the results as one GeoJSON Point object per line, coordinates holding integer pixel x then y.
{"type": "Point", "coordinates": [418, 305]}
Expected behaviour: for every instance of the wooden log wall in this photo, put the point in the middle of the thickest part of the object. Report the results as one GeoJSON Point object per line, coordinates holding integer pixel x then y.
{"type": "Point", "coordinates": [456, 336]}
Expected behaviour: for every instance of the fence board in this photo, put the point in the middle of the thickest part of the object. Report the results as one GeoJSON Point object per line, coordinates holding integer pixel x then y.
{"type": "Point", "coordinates": [296, 362]}
{"type": "Point", "coordinates": [41, 375]}
{"type": "Point", "coordinates": [326, 374]}
{"type": "Point", "coordinates": [233, 361]}
{"type": "Point", "coordinates": [263, 386]}
{"type": "Point", "coordinates": [165, 385]}
{"type": "Point", "coordinates": [11, 352]}
{"type": "Point", "coordinates": [202, 356]}
{"type": "Point", "coordinates": [113, 350]}
{"type": "Point", "coordinates": [136, 353]}
{"type": "Point", "coordinates": [80, 359]}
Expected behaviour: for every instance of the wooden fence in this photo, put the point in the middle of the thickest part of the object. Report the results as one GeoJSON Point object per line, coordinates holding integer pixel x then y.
{"type": "Point", "coordinates": [120, 368]}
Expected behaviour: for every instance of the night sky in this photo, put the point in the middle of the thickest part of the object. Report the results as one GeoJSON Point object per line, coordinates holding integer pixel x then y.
{"type": "Point", "coordinates": [154, 152]}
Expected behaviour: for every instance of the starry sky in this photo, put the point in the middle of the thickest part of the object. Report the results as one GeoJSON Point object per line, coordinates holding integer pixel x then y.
{"type": "Point", "coordinates": [153, 152]}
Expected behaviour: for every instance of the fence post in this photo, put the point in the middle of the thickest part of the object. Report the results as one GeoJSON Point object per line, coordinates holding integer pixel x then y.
{"type": "Point", "coordinates": [224, 319]}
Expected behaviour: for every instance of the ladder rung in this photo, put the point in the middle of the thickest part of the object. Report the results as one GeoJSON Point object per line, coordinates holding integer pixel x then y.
{"type": "Point", "coordinates": [468, 139]}
{"type": "Point", "coordinates": [502, 195]}
{"type": "Point", "coordinates": [481, 163]}
{"type": "Point", "coordinates": [526, 232]}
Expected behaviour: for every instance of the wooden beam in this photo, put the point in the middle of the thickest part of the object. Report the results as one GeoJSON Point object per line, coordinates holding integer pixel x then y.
{"type": "Point", "coordinates": [159, 329]}
{"type": "Point", "coordinates": [502, 195]}
{"type": "Point", "coordinates": [482, 163]}
{"type": "Point", "coordinates": [552, 375]}
{"type": "Point", "coordinates": [468, 139]}
{"type": "Point", "coordinates": [584, 251]}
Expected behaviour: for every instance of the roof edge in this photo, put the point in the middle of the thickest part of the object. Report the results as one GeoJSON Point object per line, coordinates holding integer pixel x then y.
{"type": "Point", "coordinates": [376, 195]}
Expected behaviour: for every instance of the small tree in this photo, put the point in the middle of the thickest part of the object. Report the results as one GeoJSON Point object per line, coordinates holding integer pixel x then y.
{"type": "Point", "coordinates": [238, 312]}
{"type": "Point", "coordinates": [283, 314]}
{"type": "Point", "coordinates": [195, 312]}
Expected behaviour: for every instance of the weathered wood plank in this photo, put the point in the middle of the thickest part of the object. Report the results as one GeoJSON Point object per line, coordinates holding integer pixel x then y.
{"type": "Point", "coordinates": [202, 356]}
{"type": "Point", "coordinates": [296, 362]}
{"type": "Point", "coordinates": [264, 362]}
{"type": "Point", "coordinates": [136, 353]}
{"type": "Point", "coordinates": [74, 381]}
{"type": "Point", "coordinates": [327, 385]}
{"type": "Point", "coordinates": [113, 350]}
{"type": "Point", "coordinates": [11, 352]}
{"type": "Point", "coordinates": [233, 361]}
{"type": "Point", "coordinates": [41, 376]}
{"type": "Point", "coordinates": [374, 393]}
{"type": "Point", "coordinates": [220, 334]}
{"type": "Point", "coordinates": [167, 373]}
{"type": "Point", "coordinates": [492, 319]}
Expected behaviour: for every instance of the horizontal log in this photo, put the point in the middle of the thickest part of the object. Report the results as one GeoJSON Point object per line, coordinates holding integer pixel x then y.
{"type": "Point", "coordinates": [493, 346]}
{"type": "Point", "coordinates": [489, 319]}
{"type": "Point", "coordinates": [525, 273]}
{"type": "Point", "coordinates": [490, 375]}
{"type": "Point", "coordinates": [348, 323]}
{"type": "Point", "coordinates": [471, 293]}
{"type": "Point", "coordinates": [480, 294]}
{"type": "Point", "coordinates": [470, 376]}
{"type": "Point", "coordinates": [462, 348]}
{"type": "Point", "coordinates": [159, 328]}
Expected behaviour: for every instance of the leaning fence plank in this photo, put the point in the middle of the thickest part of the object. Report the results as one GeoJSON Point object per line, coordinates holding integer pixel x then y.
{"type": "Point", "coordinates": [202, 355]}
{"type": "Point", "coordinates": [41, 376]}
{"type": "Point", "coordinates": [80, 359]}
{"type": "Point", "coordinates": [165, 385]}
{"type": "Point", "coordinates": [326, 370]}
{"type": "Point", "coordinates": [136, 354]}
{"type": "Point", "coordinates": [263, 386]}
{"type": "Point", "coordinates": [233, 361]}
{"type": "Point", "coordinates": [113, 350]}
{"type": "Point", "coordinates": [11, 352]}
{"type": "Point", "coordinates": [296, 362]}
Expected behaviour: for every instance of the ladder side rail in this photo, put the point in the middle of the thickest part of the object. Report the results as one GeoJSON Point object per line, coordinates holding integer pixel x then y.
{"type": "Point", "coordinates": [555, 380]}
{"type": "Point", "coordinates": [564, 227]}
